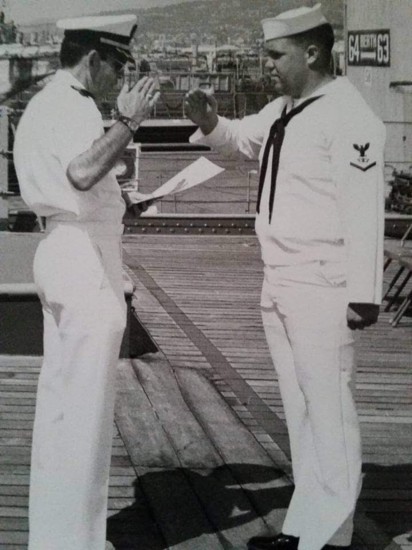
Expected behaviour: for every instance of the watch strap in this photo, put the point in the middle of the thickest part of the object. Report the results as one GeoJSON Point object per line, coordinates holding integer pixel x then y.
{"type": "Point", "coordinates": [131, 124]}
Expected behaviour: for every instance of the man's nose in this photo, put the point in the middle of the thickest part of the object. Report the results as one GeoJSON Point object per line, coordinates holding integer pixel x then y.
{"type": "Point", "coordinates": [269, 64]}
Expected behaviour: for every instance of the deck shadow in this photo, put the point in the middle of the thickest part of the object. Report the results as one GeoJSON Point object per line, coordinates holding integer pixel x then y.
{"type": "Point", "coordinates": [385, 500]}
{"type": "Point", "coordinates": [175, 506]}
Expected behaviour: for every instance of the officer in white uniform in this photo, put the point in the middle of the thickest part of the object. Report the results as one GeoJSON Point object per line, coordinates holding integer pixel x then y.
{"type": "Point", "coordinates": [64, 162]}
{"type": "Point", "coordinates": [320, 226]}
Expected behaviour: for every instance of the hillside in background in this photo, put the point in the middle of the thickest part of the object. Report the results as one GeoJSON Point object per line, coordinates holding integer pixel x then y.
{"type": "Point", "coordinates": [235, 21]}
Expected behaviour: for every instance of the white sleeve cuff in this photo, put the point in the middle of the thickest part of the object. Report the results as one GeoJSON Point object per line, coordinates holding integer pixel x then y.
{"type": "Point", "coordinates": [215, 138]}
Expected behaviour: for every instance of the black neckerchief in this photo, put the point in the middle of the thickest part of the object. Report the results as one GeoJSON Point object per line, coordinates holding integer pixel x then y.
{"type": "Point", "coordinates": [275, 140]}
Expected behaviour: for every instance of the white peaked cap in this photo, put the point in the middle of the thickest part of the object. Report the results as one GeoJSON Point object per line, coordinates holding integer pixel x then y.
{"type": "Point", "coordinates": [121, 25]}
{"type": "Point", "coordinates": [293, 22]}
{"type": "Point", "coordinates": [112, 31]}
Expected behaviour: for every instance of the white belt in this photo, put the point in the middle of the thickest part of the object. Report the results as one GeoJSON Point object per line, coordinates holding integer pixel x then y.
{"type": "Point", "coordinates": [101, 229]}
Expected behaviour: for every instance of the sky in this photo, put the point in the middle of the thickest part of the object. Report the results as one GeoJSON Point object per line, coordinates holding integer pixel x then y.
{"type": "Point", "coordinates": [25, 12]}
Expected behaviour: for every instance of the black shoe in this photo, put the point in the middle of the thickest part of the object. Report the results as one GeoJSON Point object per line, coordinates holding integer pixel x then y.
{"type": "Point", "coordinates": [280, 542]}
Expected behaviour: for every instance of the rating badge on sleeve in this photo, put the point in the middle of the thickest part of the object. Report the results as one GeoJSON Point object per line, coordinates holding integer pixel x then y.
{"type": "Point", "coordinates": [363, 162]}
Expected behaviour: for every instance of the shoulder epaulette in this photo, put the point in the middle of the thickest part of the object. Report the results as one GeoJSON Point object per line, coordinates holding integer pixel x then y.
{"type": "Point", "coordinates": [83, 92]}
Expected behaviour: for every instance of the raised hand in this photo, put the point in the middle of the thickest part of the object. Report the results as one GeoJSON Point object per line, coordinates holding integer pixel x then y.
{"type": "Point", "coordinates": [201, 108]}
{"type": "Point", "coordinates": [138, 102]}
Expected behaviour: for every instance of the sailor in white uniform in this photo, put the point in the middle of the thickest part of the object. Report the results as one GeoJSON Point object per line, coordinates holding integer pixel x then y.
{"type": "Point", "coordinates": [320, 225]}
{"type": "Point", "coordinates": [64, 162]}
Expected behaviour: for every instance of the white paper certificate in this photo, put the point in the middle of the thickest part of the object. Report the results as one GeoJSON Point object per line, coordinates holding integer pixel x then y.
{"type": "Point", "coordinates": [199, 171]}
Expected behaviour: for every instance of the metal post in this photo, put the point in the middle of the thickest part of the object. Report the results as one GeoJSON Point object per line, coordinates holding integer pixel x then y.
{"type": "Point", "coordinates": [4, 180]}
{"type": "Point", "coordinates": [160, 178]}
{"type": "Point", "coordinates": [249, 175]}
{"type": "Point", "coordinates": [345, 36]}
{"type": "Point", "coordinates": [137, 164]}
{"type": "Point", "coordinates": [42, 227]}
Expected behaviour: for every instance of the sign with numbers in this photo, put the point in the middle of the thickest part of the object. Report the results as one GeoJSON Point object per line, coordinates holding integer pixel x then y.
{"type": "Point", "coordinates": [369, 48]}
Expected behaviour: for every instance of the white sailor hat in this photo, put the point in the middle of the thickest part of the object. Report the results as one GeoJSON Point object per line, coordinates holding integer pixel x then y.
{"type": "Point", "coordinates": [112, 32]}
{"type": "Point", "coordinates": [293, 22]}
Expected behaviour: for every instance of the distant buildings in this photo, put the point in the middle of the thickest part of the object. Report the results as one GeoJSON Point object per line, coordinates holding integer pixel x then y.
{"type": "Point", "coordinates": [8, 30]}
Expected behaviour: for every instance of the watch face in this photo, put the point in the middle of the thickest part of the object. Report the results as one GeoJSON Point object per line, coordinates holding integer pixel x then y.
{"type": "Point", "coordinates": [125, 167]}
{"type": "Point", "coordinates": [120, 168]}
{"type": "Point", "coordinates": [130, 123]}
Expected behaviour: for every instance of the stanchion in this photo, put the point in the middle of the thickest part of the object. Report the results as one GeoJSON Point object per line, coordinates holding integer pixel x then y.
{"type": "Point", "coordinates": [4, 146]}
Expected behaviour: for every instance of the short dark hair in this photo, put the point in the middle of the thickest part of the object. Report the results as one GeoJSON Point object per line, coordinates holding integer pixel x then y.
{"type": "Point", "coordinates": [78, 43]}
{"type": "Point", "coordinates": [72, 52]}
{"type": "Point", "coordinates": [324, 38]}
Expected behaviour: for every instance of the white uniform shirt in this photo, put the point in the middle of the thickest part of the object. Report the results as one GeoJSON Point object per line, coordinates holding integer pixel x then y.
{"type": "Point", "coordinates": [58, 125]}
{"type": "Point", "coordinates": [329, 198]}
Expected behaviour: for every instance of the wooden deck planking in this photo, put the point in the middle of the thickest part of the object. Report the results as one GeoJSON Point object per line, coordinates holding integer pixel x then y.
{"type": "Point", "coordinates": [15, 441]}
{"type": "Point", "coordinates": [200, 281]}
{"type": "Point", "coordinates": [183, 476]}
{"type": "Point", "coordinates": [196, 486]}
{"type": "Point", "coordinates": [186, 490]}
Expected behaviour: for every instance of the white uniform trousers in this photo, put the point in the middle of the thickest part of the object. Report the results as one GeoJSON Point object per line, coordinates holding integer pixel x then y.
{"type": "Point", "coordinates": [304, 316]}
{"type": "Point", "coordinates": [78, 272]}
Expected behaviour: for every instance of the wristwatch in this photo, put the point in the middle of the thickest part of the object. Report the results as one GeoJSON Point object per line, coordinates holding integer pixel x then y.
{"type": "Point", "coordinates": [131, 124]}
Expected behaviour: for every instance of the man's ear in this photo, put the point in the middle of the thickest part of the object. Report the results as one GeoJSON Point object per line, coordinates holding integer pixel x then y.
{"type": "Point", "coordinates": [93, 62]}
{"type": "Point", "coordinates": [312, 55]}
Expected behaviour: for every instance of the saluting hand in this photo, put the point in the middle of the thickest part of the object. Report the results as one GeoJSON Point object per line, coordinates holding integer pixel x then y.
{"type": "Point", "coordinates": [138, 102]}
{"type": "Point", "coordinates": [201, 108]}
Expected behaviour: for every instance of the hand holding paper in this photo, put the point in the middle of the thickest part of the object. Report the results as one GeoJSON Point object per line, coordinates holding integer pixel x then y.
{"type": "Point", "coordinates": [198, 172]}
{"type": "Point", "coordinates": [136, 202]}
